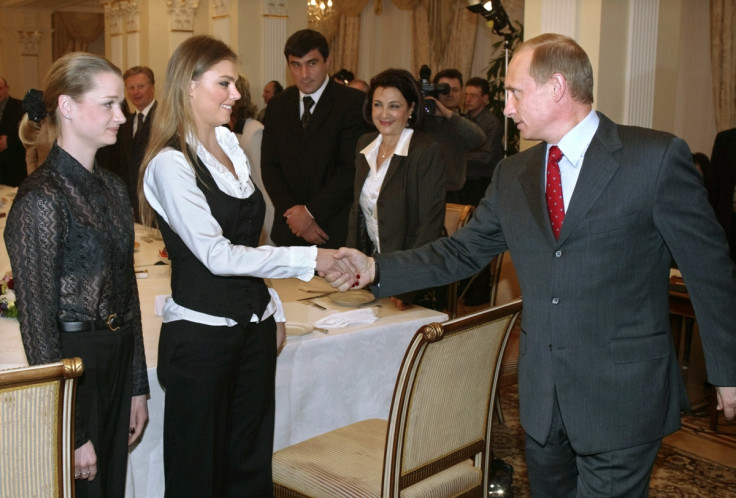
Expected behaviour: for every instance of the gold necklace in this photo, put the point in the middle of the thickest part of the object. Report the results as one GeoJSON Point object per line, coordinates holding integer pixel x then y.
{"type": "Point", "coordinates": [382, 155]}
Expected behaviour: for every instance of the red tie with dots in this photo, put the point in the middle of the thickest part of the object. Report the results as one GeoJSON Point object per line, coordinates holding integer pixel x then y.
{"type": "Point", "coordinates": [555, 204]}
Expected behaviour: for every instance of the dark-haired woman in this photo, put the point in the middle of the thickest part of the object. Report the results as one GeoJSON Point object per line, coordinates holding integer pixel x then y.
{"type": "Point", "coordinates": [399, 180]}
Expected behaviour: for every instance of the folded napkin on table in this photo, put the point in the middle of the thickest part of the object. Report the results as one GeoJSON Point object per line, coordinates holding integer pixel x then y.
{"type": "Point", "coordinates": [346, 318]}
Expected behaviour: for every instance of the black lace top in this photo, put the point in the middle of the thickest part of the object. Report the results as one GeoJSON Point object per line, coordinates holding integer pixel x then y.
{"type": "Point", "coordinates": [70, 238]}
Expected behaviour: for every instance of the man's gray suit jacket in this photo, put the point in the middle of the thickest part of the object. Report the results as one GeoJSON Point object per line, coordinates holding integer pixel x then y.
{"type": "Point", "coordinates": [595, 326]}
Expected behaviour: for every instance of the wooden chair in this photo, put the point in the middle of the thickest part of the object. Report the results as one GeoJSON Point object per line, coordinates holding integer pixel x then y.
{"type": "Point", "coordinates": [456, 217]}
{"type": "Point", "coordinates": [37, 429]}
{"type": "Point", "coordinates": [437, 439]}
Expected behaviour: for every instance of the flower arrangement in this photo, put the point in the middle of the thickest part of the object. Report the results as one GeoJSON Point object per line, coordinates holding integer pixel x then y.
{"type": "Point", "coordinates": [7, 297]}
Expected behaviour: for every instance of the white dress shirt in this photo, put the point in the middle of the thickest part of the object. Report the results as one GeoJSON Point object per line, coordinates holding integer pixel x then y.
{"type": "Point", "coordinates": [315, 96]}
{"type": "Point", "coordinates": [374, 180]}
{"type": "Point", "coordinates": [170, 186]}
{"type": "Point", "coordinates": [573, 146]}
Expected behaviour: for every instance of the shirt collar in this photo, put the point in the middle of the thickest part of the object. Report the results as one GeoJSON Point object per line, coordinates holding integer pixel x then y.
{"type": "Point", "coordinates": [574, 144]}
{"type": "Point", "coordinates": [146, 109]}
{"type": "Point", "coordinates": [402, 146]}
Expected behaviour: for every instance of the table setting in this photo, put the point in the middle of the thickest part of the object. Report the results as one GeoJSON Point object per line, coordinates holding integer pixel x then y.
{"type": "Point", "coordinates": [320, 308]}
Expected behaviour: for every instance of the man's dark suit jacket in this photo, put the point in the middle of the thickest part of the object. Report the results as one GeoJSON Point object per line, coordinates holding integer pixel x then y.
{"type": "Point", "coordinates": [722, 180]}
{"type": "Point", "coordinates": [12, 159]}
{"type": "Point", "coordinates": [595, 327]}
{"type": "Point", "coordinates": [125, 156]}
{"type": "Point", "coordinates": [411, 203]}
{"type": "Point", "coordinates": [316, 166]}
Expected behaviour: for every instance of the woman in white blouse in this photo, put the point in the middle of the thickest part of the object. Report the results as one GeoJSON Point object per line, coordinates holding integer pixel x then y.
{"type": "Point", "coordinates": [218, 343]}
{"type": "Point", "coordinates": [249, 131]}
{"type": "Point", "coordinates": [399, 179]}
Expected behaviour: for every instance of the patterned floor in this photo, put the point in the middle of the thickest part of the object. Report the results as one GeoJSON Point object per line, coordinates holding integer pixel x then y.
{"type": "Point", "coordinates": [677, 473]}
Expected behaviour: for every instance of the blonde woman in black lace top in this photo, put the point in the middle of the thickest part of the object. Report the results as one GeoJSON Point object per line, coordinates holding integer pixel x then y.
{"type": "Point", "coordinates": [70, 240]}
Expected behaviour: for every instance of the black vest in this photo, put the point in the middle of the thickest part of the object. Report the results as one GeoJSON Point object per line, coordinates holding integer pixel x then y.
{"type": "Point", "coordinates": [192, 284]}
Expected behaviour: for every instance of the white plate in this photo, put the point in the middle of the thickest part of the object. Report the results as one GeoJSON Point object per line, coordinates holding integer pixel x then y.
{"type": "Point", "coordinates": [352, 298]}
{"type": "Point", "coordinates": [298, 328]}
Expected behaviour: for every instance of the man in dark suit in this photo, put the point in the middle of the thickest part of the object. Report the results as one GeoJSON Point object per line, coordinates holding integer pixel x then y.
{"type": "Point", "coordinates": [125, 156]}
{"type": "Point", "coordinates": [599, 380]}
{"type": "Point", "coordinates": [12, 152]}
{"type": "Point", "coordinates": [721, 184]}
{"type": "Point", "coordinates": [308, 156]}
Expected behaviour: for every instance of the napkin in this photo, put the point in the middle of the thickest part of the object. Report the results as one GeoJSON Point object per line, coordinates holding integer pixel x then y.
{"type": "Point", "coordinates": [346, 318]}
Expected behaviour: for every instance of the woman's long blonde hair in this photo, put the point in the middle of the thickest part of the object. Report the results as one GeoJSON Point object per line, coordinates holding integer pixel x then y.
{"type": "Point", "coordinates": [174, 120]}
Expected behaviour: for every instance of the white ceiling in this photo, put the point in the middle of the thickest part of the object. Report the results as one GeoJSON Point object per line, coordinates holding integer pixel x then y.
{"type": "Point", "coordinates": [57, 5]}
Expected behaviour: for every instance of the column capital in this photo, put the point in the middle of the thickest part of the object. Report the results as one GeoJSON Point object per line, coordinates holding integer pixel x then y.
{"type": "Point", "coordinates": [182, 14]}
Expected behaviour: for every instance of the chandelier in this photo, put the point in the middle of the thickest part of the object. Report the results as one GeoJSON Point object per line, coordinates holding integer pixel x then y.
{"type": "Point", "coordinates": [319, 11]}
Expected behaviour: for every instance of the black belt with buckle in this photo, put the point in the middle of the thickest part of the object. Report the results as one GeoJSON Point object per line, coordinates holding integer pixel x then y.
{"type": "Point", "coordinates": [113, 322]}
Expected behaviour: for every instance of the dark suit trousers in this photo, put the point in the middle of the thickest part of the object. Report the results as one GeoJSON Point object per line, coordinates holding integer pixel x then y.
{"type": "Point", "coordinates": [219, 411]}
{"type": "Point", "coordinates": [103, 402]}
{"type": "Point", "coordinates": [556, 470]}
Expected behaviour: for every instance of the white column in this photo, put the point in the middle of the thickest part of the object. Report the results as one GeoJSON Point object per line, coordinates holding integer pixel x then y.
{"type": "Point", "coordinates": [275, 16]}
{"type": "Point", "coordinates": [559, 16]}
{"type": "Point", "coordinates": [181, 16]}
{"type": "Point", "coordinates": [29, 51]}
{"type": "Point", "coordinates": [131, 18]}
{"type": "Point", "coordinates": [115, 16]}
{"type": "Point", "coordinates": [221, 19]}
{"type": "Point", "coordinates": [642, 62]}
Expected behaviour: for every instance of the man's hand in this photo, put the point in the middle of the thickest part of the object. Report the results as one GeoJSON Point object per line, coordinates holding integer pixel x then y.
{"type": "Point", "coordinates": [303, 225]}
{"type": "Point", "coordinates": [315, 235]}
{"type": "Point", "coordinates": [3, 142]}
{"type": "Point", "coordinates": [727, 401]}
{"type": "Point", "coordinates": [440, 109]}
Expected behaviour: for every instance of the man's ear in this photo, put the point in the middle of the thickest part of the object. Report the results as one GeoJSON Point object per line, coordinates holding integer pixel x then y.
{"type": "Point", "coordinates": [559, 86]}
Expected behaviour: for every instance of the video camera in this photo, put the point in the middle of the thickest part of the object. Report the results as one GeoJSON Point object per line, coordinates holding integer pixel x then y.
{"type": "Point", "coordinates": [429, 89]}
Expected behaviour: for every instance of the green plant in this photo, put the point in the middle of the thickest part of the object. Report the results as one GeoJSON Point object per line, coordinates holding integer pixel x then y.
{"type": "Point", "coordinates": [496, 75]}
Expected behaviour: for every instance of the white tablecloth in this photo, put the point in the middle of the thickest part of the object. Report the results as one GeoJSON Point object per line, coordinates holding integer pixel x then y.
{"type": "Point", "coordinates": [323, 381]}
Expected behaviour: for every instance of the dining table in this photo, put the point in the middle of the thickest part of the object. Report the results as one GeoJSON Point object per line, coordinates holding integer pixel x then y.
{"type": "Point", "coordinates": [327, 376]}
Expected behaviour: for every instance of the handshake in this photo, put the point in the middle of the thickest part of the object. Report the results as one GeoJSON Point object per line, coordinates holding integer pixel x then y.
{"type": "Point", "coordinates": [345, 268]}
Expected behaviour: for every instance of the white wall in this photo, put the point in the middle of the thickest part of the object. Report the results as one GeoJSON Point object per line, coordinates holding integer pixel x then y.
{"type": "Point", "coordinates": [682, 103]}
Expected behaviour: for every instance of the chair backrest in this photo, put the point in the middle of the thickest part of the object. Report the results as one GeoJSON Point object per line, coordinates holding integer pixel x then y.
{"type": "Point", "coordinates": [456, 216]}
{"type": "Point", "coordinates": [505, 283]}
{"type": "Point", "coordinates": [37, 429]}
{"type": "Point", "coordinates": [441, 410]}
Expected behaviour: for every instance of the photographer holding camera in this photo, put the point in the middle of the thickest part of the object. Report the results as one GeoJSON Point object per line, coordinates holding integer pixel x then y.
{"type": "Point", "coordinates": [455, 133]}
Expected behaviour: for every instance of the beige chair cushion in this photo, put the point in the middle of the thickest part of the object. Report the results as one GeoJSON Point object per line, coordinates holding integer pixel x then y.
{"type": "Point", "coordinates": [345, 462]}
{"type": "Point", "coordinates": [349, 461]}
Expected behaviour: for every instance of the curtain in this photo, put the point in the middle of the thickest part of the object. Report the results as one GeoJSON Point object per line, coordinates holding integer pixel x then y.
{"type": "Point", "coordinates": [444, 33]}
{"type": "Point", "coordinates": [74, 31]}
{"type": "Point", "coordinates": [723, 61]}
{"type": "Point", "coordinates": [450, 29]}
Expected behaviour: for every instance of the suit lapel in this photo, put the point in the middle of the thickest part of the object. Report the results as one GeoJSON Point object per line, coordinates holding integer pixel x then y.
{"type": "Point", "coordinates": [598, 168]}
{"type": "Point", "coordinates": [398, 162]}
{"type": "Point", "coordinates": [322, 109]}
